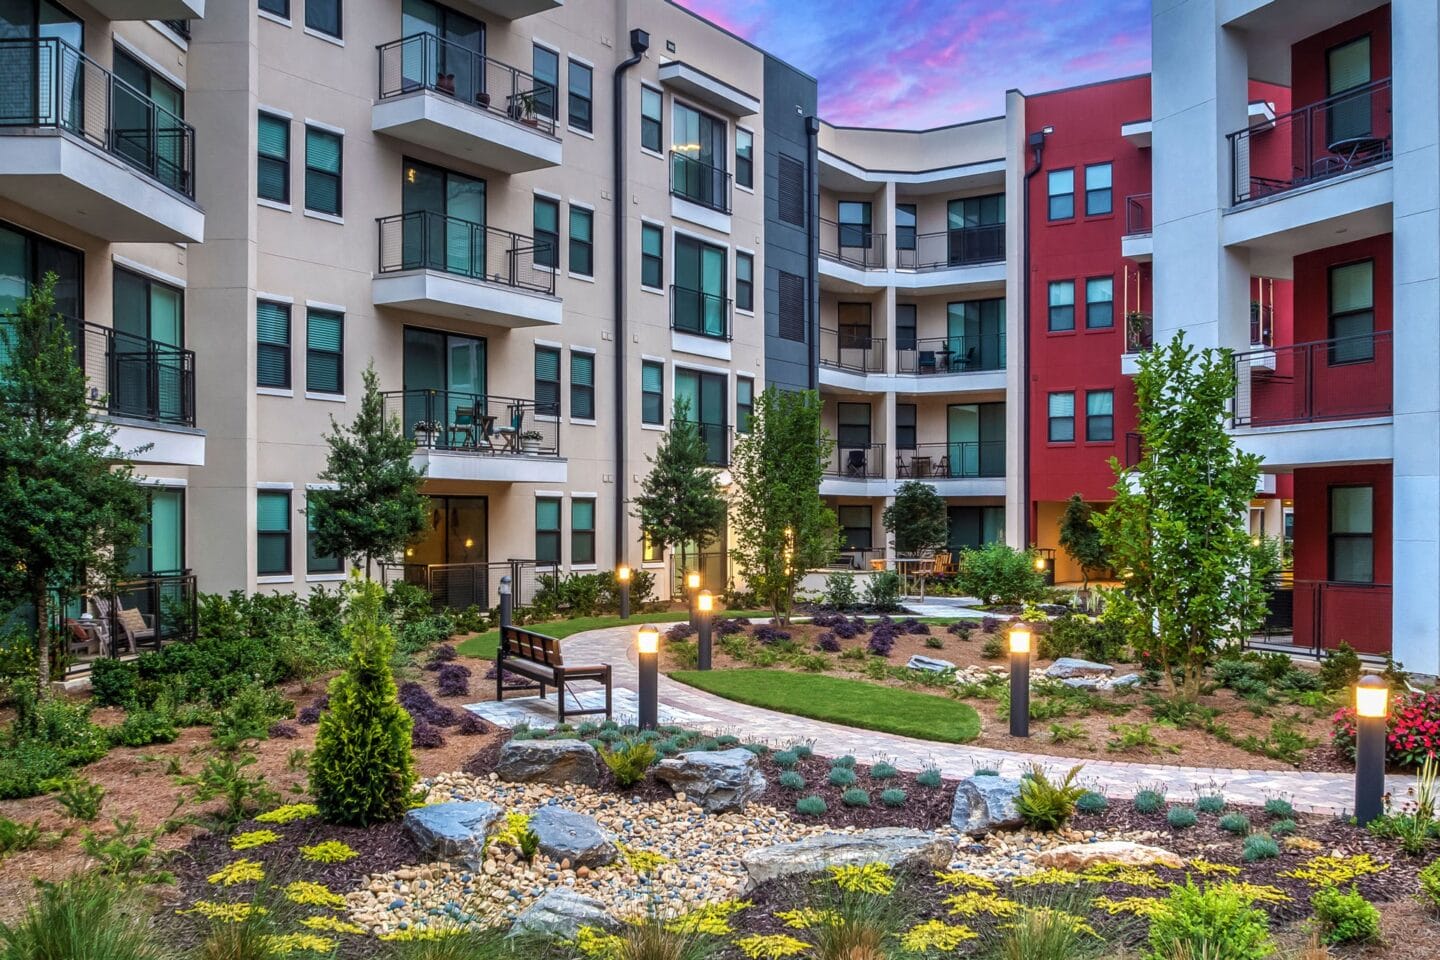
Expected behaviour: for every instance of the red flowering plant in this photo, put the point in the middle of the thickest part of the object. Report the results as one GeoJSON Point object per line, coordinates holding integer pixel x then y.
{"type": "Point", "coordinates": [1412, 729]}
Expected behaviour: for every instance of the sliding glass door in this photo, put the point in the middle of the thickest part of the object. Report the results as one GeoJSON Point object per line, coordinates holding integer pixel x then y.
{"type": "Point", "coordinates": [147, 362]}
{"type": "Point", "coordinates": [445, 220]}
{"type": "Point", "coordinates": [705, 395]}
{"type": "Point", "coordinates": [975, 330]}
{"type": "Point", "coordinates": [975, 439]}
{"type": "Point", "coordinates": [445, 377]}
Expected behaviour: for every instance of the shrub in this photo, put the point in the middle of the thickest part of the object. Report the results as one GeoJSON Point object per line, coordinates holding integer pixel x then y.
{"type": "Point", "coordinates": [812, 806]}
{"type": "Point", "coordinates": [893, 797]}
{"type": "Point", "coordinates": [17, 837]}
{"type": "Point", "coordinates": [882, 592]}
{"type": "Point", "coordinates": [83, 918]}
{"type": "Point", "coordinates": [629, 763]}
{"type": "Point", "coordinates": [26, 765]}
{"type": "Point", "coordinates": [1236, 823]}
{"type": "Point", "coordinates": [1213, 921]}
{"type": "Point", "coordinates": [1430, 884]}
{"type": "Point", "coordinates": [1045, 805]}
{"type": "Point", "coordinates": [934, 643]}
{"type": "Point", "coordinates": [997, 573]}
{"type": "Point", "coordinates": [840, 592]}
{"type": "Point", "coordinates": [1149, 801]}
{"type": "Point", "coordinates": [855, 797]}
{"type": "Point", "coordinates": [802, 750]}
{"type": "Point", "coordinates": [1413, 728]}
{"type": "Point", "coordinates": [681, 631]}
{"type": "Point", "coordinates": [81, 798]}
{"type": "Point", "coordinates": [142, 727]}
{"type": "Point", "coordinates": [785, 759]}
{"type": "Point", "coordinates": [453, 680]}
{"type": "Point", "coordinates": [425, 736]}
{"type": "Point", "coordinates": [1181, 818]}
{"type": "Point", "coordinates": [1091, 802]}
{"type": "Point", "coordinates": [283, 730]}
{"type": "Point", "coordinates": [224, 777]}
{"type": "Point", "coordinates": [114, 683]}
{"type": "Point", "coordinates": [1345, 917]}
{"type": "Point", "coordinates": [1283, 828]}
{"type": "Point", "coordinates": [122, 854]}
{"type": "Point", "coordinates": [1259, 846]}
{"type": "Point", "coordinates": [1341, 669]}
{"type": "Point", "coordinates": [929, 777]}
{"type": "Point", "coordinates": [994, 647]}
{"type": "Point", "coordinates": [362, 770]}
{"type": "Point", "coordinates": [841, 777]}
{"type": "Point", "coordinates": [1279, 808]}
{"type": "Point", "coordinates": [882, 640]}
{"type": "Point", "coordinates": [62, 726]}
{"type": "Point", "coordinates": [847, 761]}
{"type": "Point", "coordinates": [791, 780]}
{"type": "Point", "coordinates": [961, 629]}
{"type": "Point", "coordinates": [1211, 803]}
{"type": "Point", "coordinates": [249, 714]}
{"type": "Point", "coordinates": [883, 771]}
{"type": "Point", "coordinates": [828, 643]}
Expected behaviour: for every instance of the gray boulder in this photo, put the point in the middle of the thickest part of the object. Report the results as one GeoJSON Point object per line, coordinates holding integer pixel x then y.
{"type": "Point", "coordinates": [560, 914]}
{"type": "Point", "coordinates": [1129, 680]}
{"type": "Point", "coordinates": [717, 781]}
{"type": "Point", "coordinates": [452, 831]}
{"type": "Point", "coordinates": [985, 803]}
{"type": "Point", "coordinates": [557, 762]}
{"type": "Point", "coordinates": [566, 835]}
{"type": "Point", "coordinates": [1082, 683]}
{"type": "Point", "coordinates": [1067, 667]}
{"type": "Point", "coordinates": [931, 664]}
{"type": "Point", "coordinates": [898, 847]}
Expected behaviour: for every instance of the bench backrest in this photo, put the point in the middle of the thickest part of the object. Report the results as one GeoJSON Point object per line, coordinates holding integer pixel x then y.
{"type": "Point", "coordinates": [529, 645]}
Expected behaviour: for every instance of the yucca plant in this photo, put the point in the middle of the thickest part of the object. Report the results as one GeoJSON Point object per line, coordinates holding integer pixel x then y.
{"type": "Point", "coordinates": [83, 918]}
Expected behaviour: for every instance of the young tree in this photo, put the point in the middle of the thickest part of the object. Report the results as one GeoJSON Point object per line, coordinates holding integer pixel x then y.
{"type": "Point", "coordinates": [918, 518]}
{"type": "Point", "coordinates": [70, 513]}
{"type": "Point", "coordinates": [1081, 538]}
{"type": "Point", "coordinates": [782, 526]}
{"type": "Point", "coordinates": [679, 503]}
{"type": "Point", "coordinates": [376, 507]}
{"type": "Point", "coordinates": [1176, 532]}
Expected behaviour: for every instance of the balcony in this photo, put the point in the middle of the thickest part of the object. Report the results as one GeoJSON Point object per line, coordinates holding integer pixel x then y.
{"type": "Point", "coordinates": [853, 350]}
{"type": "Point", "coordinates": [1343, 378]}
{"type": "Point", "coordinates": [1139, 338]}
{"type": "Point", "coordinates": [1137, 243]}
{"type": "Point", "coordinates": [957, 460]}
{"type": "Point", "coordinates": [852, 244]}
{"type": "Point", "coordinates": [86, 148]}
{"type": "Point", "coordinates": [446, 267]}
{"type": "Point", "coordinates": [467, 436]}
{"type": "Point", "coordinates": [448, 98]}
{"type": "Point", "coordinates": [939, 356]}
{"type": "Point", "coordinates": [1328, 613]}
{"type": "Point", "coordinates": [166, 603]}
{"type": "Point", "coordinates": [702, 184]}
{"type": "Point", "coordinates": [960, 247]}
{"type": "Point", "coordinates": [857, 462]}
{"type": "Point", "coordinates": [459, 586]}
{"type": "Point", "coordinates": [149, 9]}
{"type": "Point", "coordinates": [699, 314]}
{"type": "Point", "coordinates": [718, 439]}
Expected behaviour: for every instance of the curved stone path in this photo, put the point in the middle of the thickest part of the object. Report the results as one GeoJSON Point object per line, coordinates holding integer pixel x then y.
{"type": "Point", "coordinates": [1313, 792]}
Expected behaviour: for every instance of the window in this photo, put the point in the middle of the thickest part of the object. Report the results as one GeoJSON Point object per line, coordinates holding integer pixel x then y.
{"type": "Point", "coordinates": [790, 321]}
{"type": "Point", "coordinates": [147, 376]}
{"type": "Point", "coordinates": [322, 171]}
{"type": "Point", "coordinates": [547, 81]}
{"type": "Point", "coordinates": [652, 392]}
{"type": "Point", "coordinates": [272, 351]}
{"type": "Point", "coordinates": [316, 562]}
{"type": "Point", "coordinates": [1062, 305]}
{"type": "Point", "coordinates": [281, 8]}
{"type": "Point", "coordinates": [852, 425]}
{"type": "Point", "coordinates": [1352, 312]}
{"type": "Point", "coordinates": [582, 241]}
{"type": "Point", "coordinates": [905, 426]}
{"type": "Point", "coordinates": [744, 157]}
{"type": "Point", "coordinates": [1347, 68]}
{"type": "Point", "coordinates": [272, 176]}
{"type": "Point", "coordinates": [744, 281]}
{"type": "Point", "coordinates": [975, 229]}
{"type": "Point", "coordinates": [272, 533]}
{"type": "Point", "coordinates": [744, 403]}
{"type": "Point", "coordinates": [904, 326]}
{"type": "Point", "coordinates": [855, 527]}
{"type": "Point", "coordinates": [1061, 185]}
{"type": "Point", "coordinates": [547, 232]}
{"type": "Point", "coordinates": [652, 122]}
{"type": "Point", "coordinates": [149, 139]}
{"type": "Point", "coordinates": [25, 259]}
{"type": "Point", "coordinates": [706, 400]}
{"type": "Point", "coordinates": [652, 256]}
{"type": "Point", "coordinates": [700, 301]}
{"type": "Point", "coordinates": [854, 218]}
{"type": "Point", "coordinates": [547, 529]}
{"type": "Point", "coordinates": [905, 220]}
{"type": "Point", "coordinates": [973, 527]}
{"type": "Point", "coordinates": [324, 16]}
{"type": "Point", "coordinates": [582, 104]}
{"type": "Point", "coordinates": [1062, 418]}
{"type": "Point", "coordinates": [1100, 302]}
{"type": "Point", "coordinates": [1099, 415]}
{"type": "Point", "coordinates": [651, 551]}
{"type": "Point", "coordinates": [1352, 534]}
{"type": "Point", "coordinates": [1097, 189]}
{"type": "Point", "coordinates": [324, 351]}
{"type": "Point", "coordinates": [582, 385]}
{"type": "Point", "coordinates": [547, 381]}
{"type": "Point", "coordinates": [582, 531]}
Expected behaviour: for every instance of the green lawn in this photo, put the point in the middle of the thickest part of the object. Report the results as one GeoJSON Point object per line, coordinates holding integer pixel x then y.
{"type": "Point", "coordinates": [485, 644]}
{"type": "Point", "coordinates": [853, 703]}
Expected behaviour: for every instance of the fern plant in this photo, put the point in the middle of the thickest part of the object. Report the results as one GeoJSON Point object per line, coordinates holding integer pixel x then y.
{"type": "Point", "coordinates": [629, 763]}
{"type": "Point", "coordinates": [1044, 804]}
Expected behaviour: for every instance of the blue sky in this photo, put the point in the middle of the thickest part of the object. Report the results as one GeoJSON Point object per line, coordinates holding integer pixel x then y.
{"type": "Point", "coordinates": [925, 63]}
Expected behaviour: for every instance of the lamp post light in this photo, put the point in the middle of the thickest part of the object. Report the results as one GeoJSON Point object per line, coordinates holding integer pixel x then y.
{"type": "Point", "coordinates": [1020, 681]}
{"type": "Point", "coordinates": [1372, 696]}
{"type": "Point", "coordinates": [622, 577]}
{"type": "Point", "coordinates": [647, 642]}
{"type": "Point", "coordinates": [692, 590]}
{"type": "Point", "coordinates": [704, 607]}
{"type": "Point", "coordinates": [506, 601]}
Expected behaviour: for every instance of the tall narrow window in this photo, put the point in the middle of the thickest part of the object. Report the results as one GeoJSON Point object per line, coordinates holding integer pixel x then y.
{"type": "Point", "coordinates": [272, 533]}
{"type": "Point", "coordinates": [744, 403]}
{"type": "Point", "coordinates": [1062, 305]}
{"type": "Point", "coordinates": [854, 219]}
{"type": "Point", "coordinates": [1098, 198]}
{"type": "Point", "coordinates": [906, 218]}
{"type": "Point", "coordinates": [744, 281]}
{"type": "Point", "coordinates": [582, 531]}
{"type": "Point", "coordinates": [905, 426]}
{"type": "Point", "coordinates": [582, 241]}
{"type": "Point", "coordinates": [652, 119]}
{"type": "Point", "coordinates": [547, 529]}
{"type": "Point", "coordinates": [324, 351]}
{"type": "Point", "coordinates": [273, 163]}
{"type": "Point", "coordinates": [652, 256]}
{"type": "Point", "coordinates": [1347, 68]}
{"type": "Point", "coordinates": [582, 385]}
{"type": "Point", "coordinates": [651, 550]}
{"type": "Point", "coordinates": [852, 425]}
{"type": "Point", "coordinates": [905, 326]}
{"type": "Point", "coordinates": [547, 381]}
{"type": "Point", "coordinates": [323, 16]}
{"type": "Point", "coordinates": [744, 157]}
{"type": "Point", "coordinates": [1100, 302]}
{"type": "Point", "coordinates": [547, 232]}
{"type": "Point", "coordinates": [855, 527]}
{"type": "Point", "coordinates": [582, 104]}
{"type": "Point", "coordinates": [322, 170]}
{"type": "Point", "coordinates": [1352, 312]}
{"type": "Point", "coordinates": [1352, 534]}
{"type": "Point", "coordinates": [547, 81]}
{"type": "Point", "coordinates": [1099, 415]}
{"type": "Point", "coordinates": [1060, 185]}
{"type": "Point", "coordinates": [272, 348]}
{"type": "Point", "coordinates": [1062, 417]}
{"type": "Point", "coordinates": [652, 393]}
{"type": "Point", "coordinates": [281, 8]}
{"type": "Point", "coordinates": [315, 561]}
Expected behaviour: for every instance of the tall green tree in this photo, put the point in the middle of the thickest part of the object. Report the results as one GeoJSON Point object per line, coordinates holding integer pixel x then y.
{"type": "Point", "coordinates": [782, 526]}
{"type": "Point", "coordinates": [1080, 537]}
{"type": "Point", "coordinates": [918, 518]}
{"type": "Point", "coordinates": [376, 507]}
{"type": "Point", "coordinates": [1176, 531]}
{"type": "Point", "coordinates": [70, 511]}
{"type": "Point", "coordinates": [679, 504]}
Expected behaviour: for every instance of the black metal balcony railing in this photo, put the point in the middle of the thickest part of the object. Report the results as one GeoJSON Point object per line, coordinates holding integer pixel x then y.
{"type": "Point", "coordinates": [1349, 131]}
{"type": "Point", "coordinates": [459, 586]}
{"type": "Point", "coordinates": [166, 602]}
{"type": "Point", "coordinates": [852, 350]}
{"type": "Point", "coordinates": [1343, 378]}
{"type": "Point", "coordinates": [1262, 324]}
{"type": "Point", "coordinates": [45, 82]}
{"type": "Point", "coordinates": [1138, 216]}
{"type": "Point", "coordinates": [958, 354]}
{"type": "Point", "coordinates": [851, 461]}
{"type": "Point", "coordinates": [474, 424]}
{"type": "Point", "coordinates": [717, 438]}
{"type": "Point", "coordinates": [958, 247]}
{"type": "Point", "coordinates": [1139, 332]}
{"type": "Point", "coordinates": [699, 313]}
{"type": "Point", "coordinates": [423, 240]}
{"type": "Point", "coordinates": [130, 376]}
{"type": "Point", "coordinates": [957, 460]}
{"type": "Point", "coordinates": [424, 61]}
{"type": "Point", "coordinates": [853, 244]}
{"type": "Point", "coordinates": [699, 182]}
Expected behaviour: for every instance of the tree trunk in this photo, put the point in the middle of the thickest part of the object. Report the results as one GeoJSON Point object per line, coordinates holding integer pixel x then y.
{"type": "Point", "coordinates": [42, 641]}
{"type": "Point", "coordinates": [367, 568]}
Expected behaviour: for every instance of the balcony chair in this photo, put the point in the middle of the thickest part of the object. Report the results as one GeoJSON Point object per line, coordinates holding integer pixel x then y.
{"type": "Point", "coordinates": [855, 463]}
{"type": "Point", "coordinates": [510, 435]}
{"type": "Point", "coordinates": [464, 426]}
{"type": "Point", "coordinates": [927, 361]}
{"type": "Point", "coordinates": [130, 623]}
{"type": "Point", "coordinates": [902, 469]}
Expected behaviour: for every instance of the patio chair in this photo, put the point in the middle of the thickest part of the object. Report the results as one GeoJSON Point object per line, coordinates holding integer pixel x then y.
{"type": "Point", "coordinates": [464, 425]}
{"type": "Point", "coordinates": [902, 469]}
{"type": "Point", "coordinates": [927, 361]}
{"type": "Point", "coordinates": [130, 623]}
{"type": "Point", "coordinates": [511, 434]}
{"type": "Point", "coordinates": [855, 463]}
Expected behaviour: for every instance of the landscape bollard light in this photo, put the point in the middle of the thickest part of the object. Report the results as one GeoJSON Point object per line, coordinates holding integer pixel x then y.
{"type": "Point", "coordinates": [506, 601]}
{"type": "Point", "coordinates": [704, 607]}
{"type": "Point", "coordinates": [1372, 696]}
{"type": "Point", "coordinates": [622, 577]}
{"type": "Point", "coordinates": [692, 590]}
{"type": "Point", "coordinates": [1020, 681]}
{"type": "Point", "coordinates": [648, 644]}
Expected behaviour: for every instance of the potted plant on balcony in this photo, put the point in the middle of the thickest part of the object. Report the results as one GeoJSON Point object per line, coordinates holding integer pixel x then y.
{"type": "Point", "coordinates": [1137, 332]}
{"type": "Point", "coordinates": [482, 98]}
{"type": "Point", "coordinates": [530, 441]}
{"type": "Point", "coordinates": [425, 433]}
{"type": "Point", "coordinates": [522, 108]}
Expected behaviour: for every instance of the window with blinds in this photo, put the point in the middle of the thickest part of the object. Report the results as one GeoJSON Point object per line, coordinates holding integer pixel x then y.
{"type": "Point", "coordinates": [652, 256]}
{"type": "Point", "coordinates": [323, 16]}
{"type": "Point", "coordinates": [547, 232]}
{"type": "Point", "coordinates": [1062, 417]}
{"type": "Point", "coordinates": [582, 241]}
{"type": "Point", "coordinates": [1062, 306]}
{"type": "Point", "coordinates": [272, 533]}
{"type": "Point", "coordinates": [792, 191]}
{"type": "Point", "coordinates": [315, 561]}
{"type": "Point", "coordinates": [272, 175]}
{"type": "Point", "coordinates": [744, 403]}
{"type": "Point", "coordinates": [791, 321]}
{"type": "Point", "coordinates": [582, 531]}
{"type": "Point", "coordinates": [1100, 302]}
{"type": "Point", "coordinates": [322, 171]}
{"type": "Point", "coordinates": [744, 281]}
{"type": "Point", "coordinates": [281, 8]}
{"type": "Point", "coordinates": [582, 385]}
{"type": "Point", "coordinates": [652, 393]}
{"type": "Point", "coordinates": [581, 97]}
{"type": "Point", "coordinates": [1099, 415]}
{"type": "Point", "coordinates": [547, 530]}
{"type": "Point", "coordinates": [652, 123]}
{"type": "Point", "coordinates": [547, 381]}
{"type": "Point", "coordinates": [324, 352]}
{"type": "Point", "coordinates": [272, 352]}
{"type": "Point", "coordinates": [1352, 312]}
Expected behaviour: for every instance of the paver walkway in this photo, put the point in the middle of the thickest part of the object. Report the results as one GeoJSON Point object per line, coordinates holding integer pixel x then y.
{"type": "Point", "coordinates": [1312, 792]}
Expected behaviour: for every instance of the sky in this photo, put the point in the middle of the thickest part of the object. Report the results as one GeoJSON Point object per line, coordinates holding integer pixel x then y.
{"type": "Point", "coordinates": [913, 64]}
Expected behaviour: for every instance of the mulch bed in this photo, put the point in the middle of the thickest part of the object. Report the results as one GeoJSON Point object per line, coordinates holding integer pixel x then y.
{"type": "Point", "coordinates": [925, 807]}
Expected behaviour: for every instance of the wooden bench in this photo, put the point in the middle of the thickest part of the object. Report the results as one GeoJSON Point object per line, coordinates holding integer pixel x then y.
{"type": "Point", "coordinates": [536, 656]}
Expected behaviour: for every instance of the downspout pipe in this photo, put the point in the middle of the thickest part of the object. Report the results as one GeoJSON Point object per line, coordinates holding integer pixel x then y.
{"type": "Point", "coordinates": [812, 230]}
{"type": "Point", "coordinates": [639, 43]}
{"type": "Point", "coordinates": [1036, 143]}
